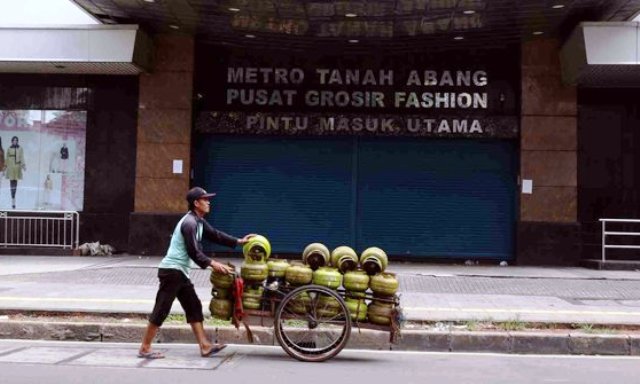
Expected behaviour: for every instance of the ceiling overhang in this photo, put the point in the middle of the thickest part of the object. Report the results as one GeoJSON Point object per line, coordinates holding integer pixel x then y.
{"type": "Point", "coordinates": [87, 49]}
{"type": "Point", "coordinates": [361, 26]}
{"type": "Point", "coordinates": [602, 54]}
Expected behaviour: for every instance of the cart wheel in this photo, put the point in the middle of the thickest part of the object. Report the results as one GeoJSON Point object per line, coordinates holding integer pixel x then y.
{"type": "Point", "coordinates": [312, 323]}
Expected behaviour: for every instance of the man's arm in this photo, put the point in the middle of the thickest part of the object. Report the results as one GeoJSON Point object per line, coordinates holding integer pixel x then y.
{"type": "Point", "coordinates": [218, 237]}
{"type": "Point", "coordinates": [189, 230]}
{"type": "Point", "coordinates": [221, 238]}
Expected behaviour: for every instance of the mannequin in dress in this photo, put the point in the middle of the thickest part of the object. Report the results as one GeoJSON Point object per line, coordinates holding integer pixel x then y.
{"type": "Point", "coordinates": [48, 187]}
{"type": "Point", "coordinates": [1, 158]}
{"type": "Point", "coordinates": [14, 166]}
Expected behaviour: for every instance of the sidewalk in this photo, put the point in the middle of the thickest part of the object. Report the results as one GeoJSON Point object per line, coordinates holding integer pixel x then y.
{"type": "Point", "coordinates": [435, 295]}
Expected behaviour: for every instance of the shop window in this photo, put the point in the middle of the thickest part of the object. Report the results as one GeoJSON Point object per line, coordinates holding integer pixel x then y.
{"type": "Point", "coordinates": [43, 159]}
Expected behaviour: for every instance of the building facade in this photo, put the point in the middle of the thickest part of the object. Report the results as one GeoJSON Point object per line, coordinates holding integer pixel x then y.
{"type": "Point", "coordinates": [484, 153]}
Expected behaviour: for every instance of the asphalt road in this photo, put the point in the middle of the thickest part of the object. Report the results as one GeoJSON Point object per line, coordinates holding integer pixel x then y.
{"type": "Point", "coordinates": [70, 362]}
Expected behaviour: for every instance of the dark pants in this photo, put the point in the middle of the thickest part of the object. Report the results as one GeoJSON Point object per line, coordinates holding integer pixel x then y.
{"type": "Point", "coordinates": [174, 284]}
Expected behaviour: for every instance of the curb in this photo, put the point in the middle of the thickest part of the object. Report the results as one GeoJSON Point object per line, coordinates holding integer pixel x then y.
{"type": "Point", "coordinates": [521, 342]}
{"type": "Point", "coordinates": [515, 342]}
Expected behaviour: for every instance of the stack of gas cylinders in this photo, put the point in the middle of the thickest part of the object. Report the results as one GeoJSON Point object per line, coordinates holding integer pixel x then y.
{"type": "Point", "coordinates": [369, 289]}
{"type": "Point", "coordinates": [254, 271]}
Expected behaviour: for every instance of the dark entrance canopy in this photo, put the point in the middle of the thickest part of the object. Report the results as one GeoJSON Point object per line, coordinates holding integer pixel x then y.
{"type": "Point", "coordinates": [399, 25]}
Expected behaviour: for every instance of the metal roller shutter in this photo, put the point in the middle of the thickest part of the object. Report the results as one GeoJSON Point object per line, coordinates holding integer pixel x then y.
{"type": "Point", "coordinates": [429, 198]}
{"type": "Point", "coordinates": [294, 191]}
{"type": "Point", "coordinates": [437, 198]}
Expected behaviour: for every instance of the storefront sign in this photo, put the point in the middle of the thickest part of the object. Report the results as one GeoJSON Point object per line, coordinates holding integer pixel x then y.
{"type": "Point", "coordinates": [461, 97]}
{"type": "Point", "coordinates": [337, 125]}
{"type": "Point", "coordinates": [245, 88]}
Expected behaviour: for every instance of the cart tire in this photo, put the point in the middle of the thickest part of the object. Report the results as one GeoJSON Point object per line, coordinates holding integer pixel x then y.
{"type": "Point", "coordinates": [312, 323]}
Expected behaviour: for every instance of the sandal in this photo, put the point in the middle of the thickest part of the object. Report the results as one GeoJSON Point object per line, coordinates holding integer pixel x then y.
{"type": "Point", "coordinates": [151, 355]}
{"type": "Point", "coordinates": [214, 349]}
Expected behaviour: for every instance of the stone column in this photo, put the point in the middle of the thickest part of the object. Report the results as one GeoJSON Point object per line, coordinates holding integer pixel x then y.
{"type": "Point", "coordinates": [164, 135]}
{"type": "Point", "coordinates": [547, 231]}
{"type": "Point", "coordinates": [164, 126]}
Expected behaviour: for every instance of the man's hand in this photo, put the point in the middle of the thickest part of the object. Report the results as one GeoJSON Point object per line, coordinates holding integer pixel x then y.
{"type": "Point", "coordinates": [220, 268]}
{"type": "Point", "coordinates": [246, 239]}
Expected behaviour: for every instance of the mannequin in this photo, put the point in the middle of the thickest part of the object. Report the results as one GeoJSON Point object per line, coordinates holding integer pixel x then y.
{"type": "Point", "coordinates": [1, 158]}
{"type": "Point", "coordinates": [64, 156]}
{"type": "Point", "coordinates": [14, 166]}
{"type": "Point", "coordinates": [48, 187]}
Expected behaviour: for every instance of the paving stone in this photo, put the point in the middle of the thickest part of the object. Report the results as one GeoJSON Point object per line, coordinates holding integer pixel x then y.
{"type": "Point", "coordinates": [49, 331]}
{"type": "Point", "coordinates": [122, 332]}
{"type": "Point", "coordinates": [110, 357]}
{"type": "Point", "coordinates": [260, 321]}
{"type": "Point", "coordinates": [71, 331]}
{"type": "Point", "coordinates": [539, 343]}
{"type": "Point", "coordinates": [427, 297]}
{"type": "Point", "coordinates": [179, 334]}
{"type": "Point", "coordinates": [369, 339]}
{"type": "Point", "coordinates": [231, 335]}
{"type": "Point", "coordinates": [634, 345]}
{"type": "Point", "coordinates": [615, 289]}
{"type": "Point", "coordinates": [412, 340]}
{"type": "Point", "coordinates": [480, 342]}
{"type": "Point", "coordinates": [7, 349]}
{"type": "Point", "coordinates": [190, 362]}
{"type": "Point", "coordinates": [583, 344]}
{"type": "Point", "coordinates": [43, 355]}
{"type": "Point", "coordinates": [14, 330]}
{"type": "Point", "coordinates": [523, 286]}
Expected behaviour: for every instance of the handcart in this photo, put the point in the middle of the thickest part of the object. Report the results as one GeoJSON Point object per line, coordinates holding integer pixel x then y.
{"type": "Point", "coordinates": [312, 322]}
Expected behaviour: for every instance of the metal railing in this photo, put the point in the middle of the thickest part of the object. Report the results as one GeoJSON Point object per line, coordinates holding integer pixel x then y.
{"type": "Point", "coordinates": [606, 233]}
{"type": "Point", "coordinates": [52, 229]}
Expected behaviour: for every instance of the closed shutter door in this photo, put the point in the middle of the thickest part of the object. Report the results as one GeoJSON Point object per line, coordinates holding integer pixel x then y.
{"type": "Point", "coordinates": [437, 198]}
{"type": "Point", "coordinates": [293, 191]}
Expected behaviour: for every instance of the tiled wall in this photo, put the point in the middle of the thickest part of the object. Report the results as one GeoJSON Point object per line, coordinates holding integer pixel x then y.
{"type": "Point", "coordinates": [164, 127]}
{"type": "Point", "coordinates": [548, 157]}
{"type": "Point", "coordinates": [548, 140]}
